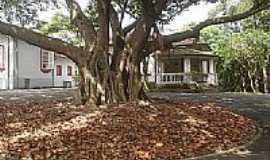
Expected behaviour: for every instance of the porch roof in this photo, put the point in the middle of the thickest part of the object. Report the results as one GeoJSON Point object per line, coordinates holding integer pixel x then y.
{"type": "Point", "coordinates": [178, 52]}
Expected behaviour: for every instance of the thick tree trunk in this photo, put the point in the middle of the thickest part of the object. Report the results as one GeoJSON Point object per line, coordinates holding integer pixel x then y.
{"type": "Point", "coordinates": [88, 86]}
{"type": "Point", "coordinates": [135, 81]}
{"type": "Point", "coordinates": [243, 79]}
{"type": "Point", "coordinates": [101, 84]}
{"type": "Point", "coordinates": [265, 80]}
{"type": "Point", "coordinates": [256, 81]}
{"type": "Point", "coordinates": [257, 85]}
{"type": "Point", "coordinates": [251, 82]}
{"type": "Point", "coordinates": [120, 81]}
{"type": "Point", "coordinates": [145, 72]}
{"type": "Point", "coordinates": [96, 90]}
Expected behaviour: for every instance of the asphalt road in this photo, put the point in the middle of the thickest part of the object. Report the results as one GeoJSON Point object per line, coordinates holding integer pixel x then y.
{"type": "Point", "coordinates": [256, 107]}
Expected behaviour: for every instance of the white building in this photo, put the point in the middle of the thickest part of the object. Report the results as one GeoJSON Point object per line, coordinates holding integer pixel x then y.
{"type": "Point", "coordinates": [26, 66]}
{"type": "Point", "coordinates": [183, 63]}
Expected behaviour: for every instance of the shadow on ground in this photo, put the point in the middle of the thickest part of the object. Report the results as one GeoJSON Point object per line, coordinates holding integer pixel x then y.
{"type": "Point", "coordinates": [256, 107]}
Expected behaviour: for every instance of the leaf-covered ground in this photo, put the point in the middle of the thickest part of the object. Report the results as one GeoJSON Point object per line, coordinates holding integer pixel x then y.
{"type": "Point", "coordinates": [62, 130]}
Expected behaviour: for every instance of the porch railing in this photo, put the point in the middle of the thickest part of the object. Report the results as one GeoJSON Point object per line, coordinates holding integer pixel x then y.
{"type": "Point", "coordinates": [176, 78]}
{"type": "Point", "coordinates": [170, 78]}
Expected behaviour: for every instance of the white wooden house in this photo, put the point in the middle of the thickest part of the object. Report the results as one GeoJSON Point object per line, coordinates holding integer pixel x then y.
{"type": "Point", "coordinates": [184, 63]}
{"type": "Point", "coordinates": [26, 66]}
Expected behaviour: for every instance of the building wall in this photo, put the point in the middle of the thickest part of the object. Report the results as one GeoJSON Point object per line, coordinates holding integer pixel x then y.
{"type": "Point", "coordinates": [64, 62]}
{"type": "Point", "coordinates": [7, 75]}
{"type": "Point", "coordinates": [29, 69]}
{"type": "Point", "coordinates": [22, 67]}
{"type": "Point", "coordinates": [29, 72]}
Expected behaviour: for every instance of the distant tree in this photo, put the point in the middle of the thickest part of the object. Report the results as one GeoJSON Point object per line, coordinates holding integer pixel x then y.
{"type": "Point", "coordinates": [244, 58]}
{"type": "Point", "coordinates": [59, 26]}
{"type": "Point", "coordinates": [24, 11]}
{"type": "Point", "coordinates": [221, 43]}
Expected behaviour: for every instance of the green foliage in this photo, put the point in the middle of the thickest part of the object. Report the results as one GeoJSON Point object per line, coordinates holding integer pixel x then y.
{"type": "Point", "coordinates": [57, 24]}
{"type": "Point", "coordinates": [91, 12]}
{"type": "Point", "coordinates": [60, 26]}
{"type": "Point", "coordinates": [24, 11]}
{"type": "Point", "coordinates": [258, 21]}
{"type": "Point", "coordinates": [239, 54]}
{"type": "Point", "coordinates": [242, 55]}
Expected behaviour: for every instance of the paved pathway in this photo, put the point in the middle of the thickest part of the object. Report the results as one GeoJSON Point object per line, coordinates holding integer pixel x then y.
{"type": "Point", "coordinates": [35, 95]}
{"type": "Point", "coordinates": [256, 107]}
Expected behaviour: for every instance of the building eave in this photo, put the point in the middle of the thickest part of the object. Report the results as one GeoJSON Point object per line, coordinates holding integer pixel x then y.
{"type": "Point", "coordinates": [174, 53]}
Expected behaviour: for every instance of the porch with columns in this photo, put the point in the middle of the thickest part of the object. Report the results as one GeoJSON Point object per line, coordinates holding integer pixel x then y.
{"type": "Point", "coordinates": [191, 72]}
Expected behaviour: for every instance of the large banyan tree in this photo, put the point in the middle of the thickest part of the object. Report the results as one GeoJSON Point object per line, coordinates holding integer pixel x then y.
{"type": "Point", "coordinates": [113, 77]}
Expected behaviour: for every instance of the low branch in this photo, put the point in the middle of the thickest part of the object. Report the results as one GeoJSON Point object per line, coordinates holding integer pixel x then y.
{"type": "Point", "coordinates": [41, 41]}
{"type": "Point", "coordinates": [115, 22]}
{"type": "Point", "coordinates": [79, 19]}
{"type": "Point", "coordinates": [122, 15]}
{"type": "Point", "coordinates": [117, 37]}
{"type": "Point", "coordinates": [194, 32]}
{"type": "Point", "coordinates": [130, 27]}
{"type": "Point", "coordinates": [103, 10]}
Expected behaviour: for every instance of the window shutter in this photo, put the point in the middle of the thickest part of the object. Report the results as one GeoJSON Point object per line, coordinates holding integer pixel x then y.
{"type": "Point", "coordinates": [58, 70]}
{"type": "Point", "coordinates": [51, 60]}
{"type": "Point", "coordinates": [69, 70]}
{"type": "Point", "coordinates": [46, 60]}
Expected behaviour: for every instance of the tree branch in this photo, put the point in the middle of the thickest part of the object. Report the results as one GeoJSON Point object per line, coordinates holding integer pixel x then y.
{"type": "Point", "coordinates": [103, 22]}
{"type": "Point", "coordinates": [115, 22]}
{"type": "Point", "coordinates": [130, 27]}
{"type": "Point", "coordinates": [122, 15]}
{"type": "Point", "coordinates": [195, 31]}
{"type": "Point", "coordinates": [117, 37]}
{"type": "Point", "coordinates": [82, 22]}
{"type": "Point", "coordinates": [42, 41]}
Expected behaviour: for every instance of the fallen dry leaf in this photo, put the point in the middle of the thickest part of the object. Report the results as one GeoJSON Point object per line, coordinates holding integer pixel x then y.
{"type": "Point", "coordinates": [63, 130]}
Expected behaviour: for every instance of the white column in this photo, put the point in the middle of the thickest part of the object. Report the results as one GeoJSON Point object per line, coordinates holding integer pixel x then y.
{"type": "Point", "coordinates": [204, 67]}
{"type": "Point", "coordinates": [211, 76]}
{"type": "Point", "coordinates": [11, 63]}
{"type": "Point", "coordinates": [205, 70]}
{"type": "Point", "coordinates": [158, 70]}
{"type": "Point", "coordinates": [187, 78]}
{"type": "Point", "coordinates": [161, 71]}
{"type": "Point", "coordinates": [161, 67]}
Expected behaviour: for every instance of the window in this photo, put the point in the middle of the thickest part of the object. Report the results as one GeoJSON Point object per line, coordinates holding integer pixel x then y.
{"type": "Point", "coordinates": [46, 60]}
{"type": "Point", "coordinates": [58, 70]}
{"type": "Point", "coordinates": [69, 70]}
{"type": "Point", "coordinates": [196, 65]}
{"type": "Point", "coordinates": [2, 58]}
{"type": "Point", "coordinates": [173, 66]}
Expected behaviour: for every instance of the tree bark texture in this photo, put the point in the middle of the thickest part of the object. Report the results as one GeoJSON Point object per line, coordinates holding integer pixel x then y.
{"type": "Point", "coordinates": [265, 80]}
{"type": "Point", "coordinates": [252, 85]}
{"type": "Point", "coordinates": [115, 76]}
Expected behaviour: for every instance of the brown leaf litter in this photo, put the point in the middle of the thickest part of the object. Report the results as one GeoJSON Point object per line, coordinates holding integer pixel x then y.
{"type": "Point", "coordinates": [62, 130]}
